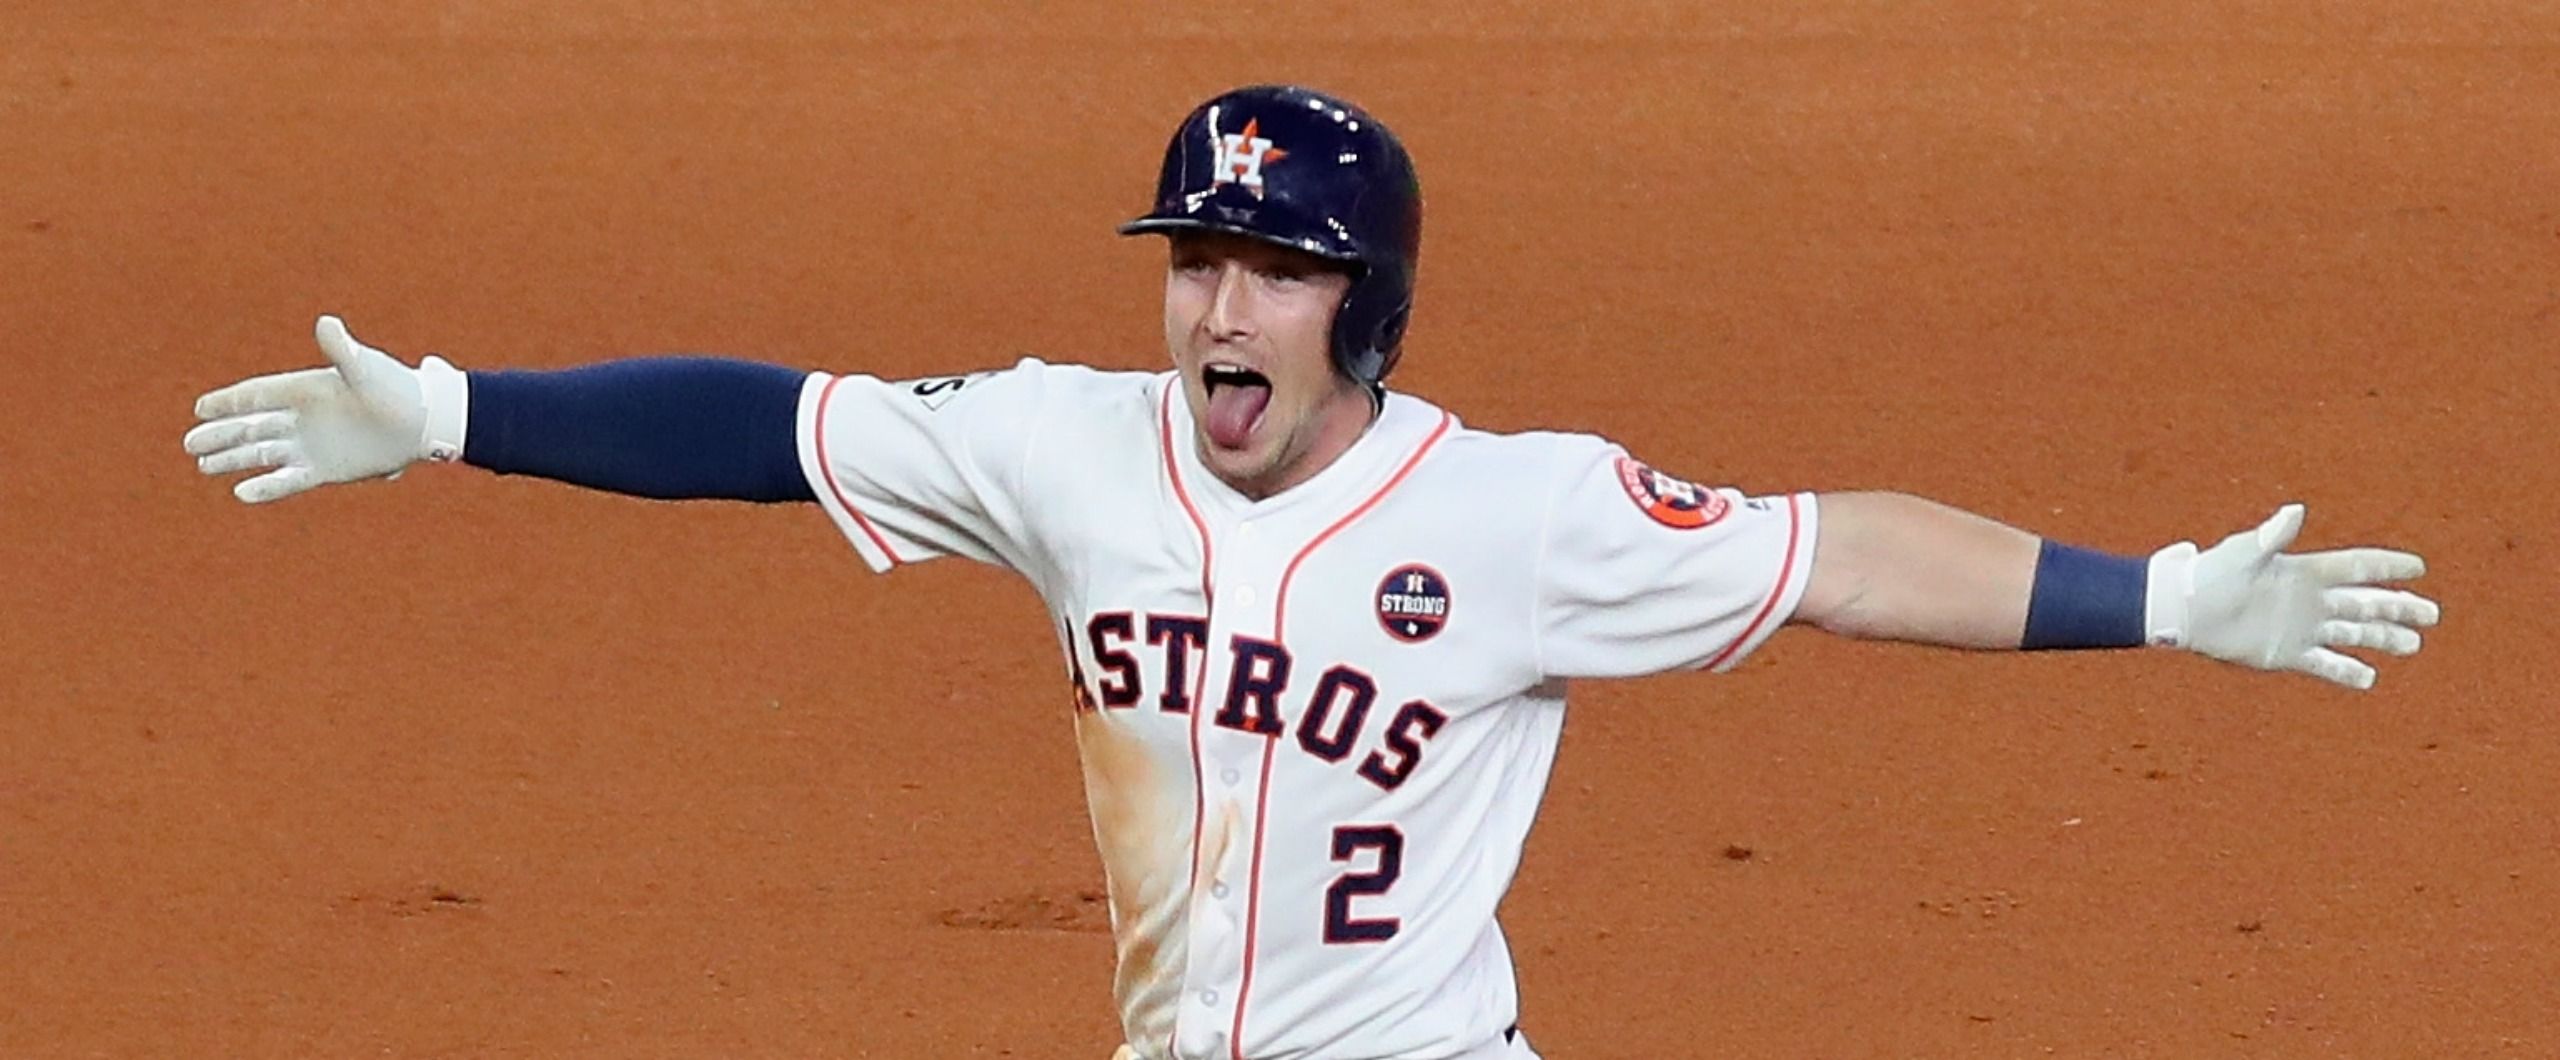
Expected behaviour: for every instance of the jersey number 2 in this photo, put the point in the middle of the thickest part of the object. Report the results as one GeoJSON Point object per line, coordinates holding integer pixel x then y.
{"type": "Point", "coordinates": [1348, 841]}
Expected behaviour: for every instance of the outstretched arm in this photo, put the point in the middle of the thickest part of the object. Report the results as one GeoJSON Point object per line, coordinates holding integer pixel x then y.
{"type": "Point", "coordinates": [1891, 566]}
{"type": "Point", "coordinates": [670, 427]}
{"type": "Point", "coordinates": [1896, 567]}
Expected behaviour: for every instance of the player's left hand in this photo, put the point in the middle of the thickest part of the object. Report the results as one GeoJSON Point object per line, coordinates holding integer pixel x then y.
{"type": "Point", "coordinates": [2249, 602]}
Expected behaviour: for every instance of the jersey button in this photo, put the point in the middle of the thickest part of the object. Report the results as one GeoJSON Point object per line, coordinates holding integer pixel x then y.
{"type": "Point", "coordinates": [1230, 776]}
{"type": "Point", "coordinates": [1243, 595]}
{"type": "Point", "coordinates": [1217, 890]}
{"type": "Point", "coordinates": [1208, 997]}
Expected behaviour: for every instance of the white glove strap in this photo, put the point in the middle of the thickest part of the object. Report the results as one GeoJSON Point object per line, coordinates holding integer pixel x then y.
{"type": "Point", "coordinates": [447, 393]}
{"type": "Point", "coordinates": [2171, 586]}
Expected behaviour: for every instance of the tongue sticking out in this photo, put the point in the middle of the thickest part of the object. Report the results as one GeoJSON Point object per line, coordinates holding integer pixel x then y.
{"type": "Point", "coordinates": [1235, 409]}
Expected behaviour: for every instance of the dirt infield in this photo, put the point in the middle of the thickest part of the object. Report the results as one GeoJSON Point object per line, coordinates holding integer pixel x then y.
{"type": "Point", "coordinates": [469, 767]}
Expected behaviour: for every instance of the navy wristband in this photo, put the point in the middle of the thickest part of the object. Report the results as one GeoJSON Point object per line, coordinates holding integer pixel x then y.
{"type": "Point", "coordinates": [2085, 599]}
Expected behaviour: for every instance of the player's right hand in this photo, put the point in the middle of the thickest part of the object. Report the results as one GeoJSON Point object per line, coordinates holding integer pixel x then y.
{"type": "Point", "coordinates": [364, 416]}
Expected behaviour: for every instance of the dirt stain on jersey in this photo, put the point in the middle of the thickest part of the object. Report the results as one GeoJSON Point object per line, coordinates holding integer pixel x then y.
{"type": "Point", "coordinates": [1216, 839]}
{"type": "Point", "coordinates": [1141, 827]}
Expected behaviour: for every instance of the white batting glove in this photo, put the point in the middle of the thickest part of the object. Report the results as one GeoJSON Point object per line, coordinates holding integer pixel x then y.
{"type": "Point", "coordinates": [365, 416]}
{"type": "Point", "coordinates": [2246, 601]}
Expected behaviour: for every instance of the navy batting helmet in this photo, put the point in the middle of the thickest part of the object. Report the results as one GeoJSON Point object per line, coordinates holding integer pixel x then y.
{"type": "Point", "coordinates": [1298, 168]}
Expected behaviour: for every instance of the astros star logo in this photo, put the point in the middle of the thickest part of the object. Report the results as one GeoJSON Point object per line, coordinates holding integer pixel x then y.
{"type": "Point", "coordinates": [1241, 156]}
{"type": "Point", "coordinates": [1675, 503]}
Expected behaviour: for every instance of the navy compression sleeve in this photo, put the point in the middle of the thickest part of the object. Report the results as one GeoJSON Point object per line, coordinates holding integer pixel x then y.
{"type": "Point", "coordinates": [665, 427]}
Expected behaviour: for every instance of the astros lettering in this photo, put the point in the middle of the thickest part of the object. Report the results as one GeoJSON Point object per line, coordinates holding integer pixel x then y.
{"type": "Point", "coordinates": [1330, 720]}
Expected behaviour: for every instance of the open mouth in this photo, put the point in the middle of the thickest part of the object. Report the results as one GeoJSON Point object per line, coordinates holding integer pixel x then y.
{"type": "Point", "coordinates": [1237, 398]}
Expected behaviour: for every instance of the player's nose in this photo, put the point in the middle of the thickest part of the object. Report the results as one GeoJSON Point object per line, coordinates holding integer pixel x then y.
{"type": "Point", "coordinates": [1230, 306]}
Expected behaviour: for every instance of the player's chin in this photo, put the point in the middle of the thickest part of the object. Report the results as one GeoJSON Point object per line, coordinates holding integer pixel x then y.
{"type": "Point", "coordinates": [1246, 463]}
{"type": "Point", "coordinates": [1257, 460]}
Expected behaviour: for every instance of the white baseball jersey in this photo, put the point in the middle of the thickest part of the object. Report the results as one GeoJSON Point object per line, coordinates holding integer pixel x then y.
{"type": "Point", "coordinates": [1315, 728]}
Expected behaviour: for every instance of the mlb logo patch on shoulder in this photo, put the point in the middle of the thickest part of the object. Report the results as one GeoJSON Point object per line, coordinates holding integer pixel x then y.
{"type": "Point", "coordinates": [1413, 603]}
{"type": "Point", "coordinates": [1675, 503]}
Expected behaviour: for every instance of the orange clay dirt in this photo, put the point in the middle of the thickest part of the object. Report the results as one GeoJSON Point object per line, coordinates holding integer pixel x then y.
{"type": "Point", "coordinates": [461, 766]}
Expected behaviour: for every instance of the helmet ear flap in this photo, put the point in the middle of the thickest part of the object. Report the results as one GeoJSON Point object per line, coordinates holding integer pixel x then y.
{"type": "Point", "coordinates": [1366, 342]}
{"type": "Point", "coordinates": [1363, 365]}
{"type": "Point", "coordinates": [1390, 345]}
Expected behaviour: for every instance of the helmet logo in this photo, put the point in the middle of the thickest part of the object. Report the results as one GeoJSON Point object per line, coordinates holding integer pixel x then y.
{"type": "Point", "coordinates": [1241, 156]}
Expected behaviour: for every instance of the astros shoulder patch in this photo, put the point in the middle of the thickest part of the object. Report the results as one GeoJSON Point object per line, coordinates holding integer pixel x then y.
{"type": "Point", "coordinates": [1675, 503]}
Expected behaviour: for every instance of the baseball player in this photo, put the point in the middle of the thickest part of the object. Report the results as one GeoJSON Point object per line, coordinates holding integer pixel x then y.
{"type": "Point", "coordinates": [1321, 634]}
